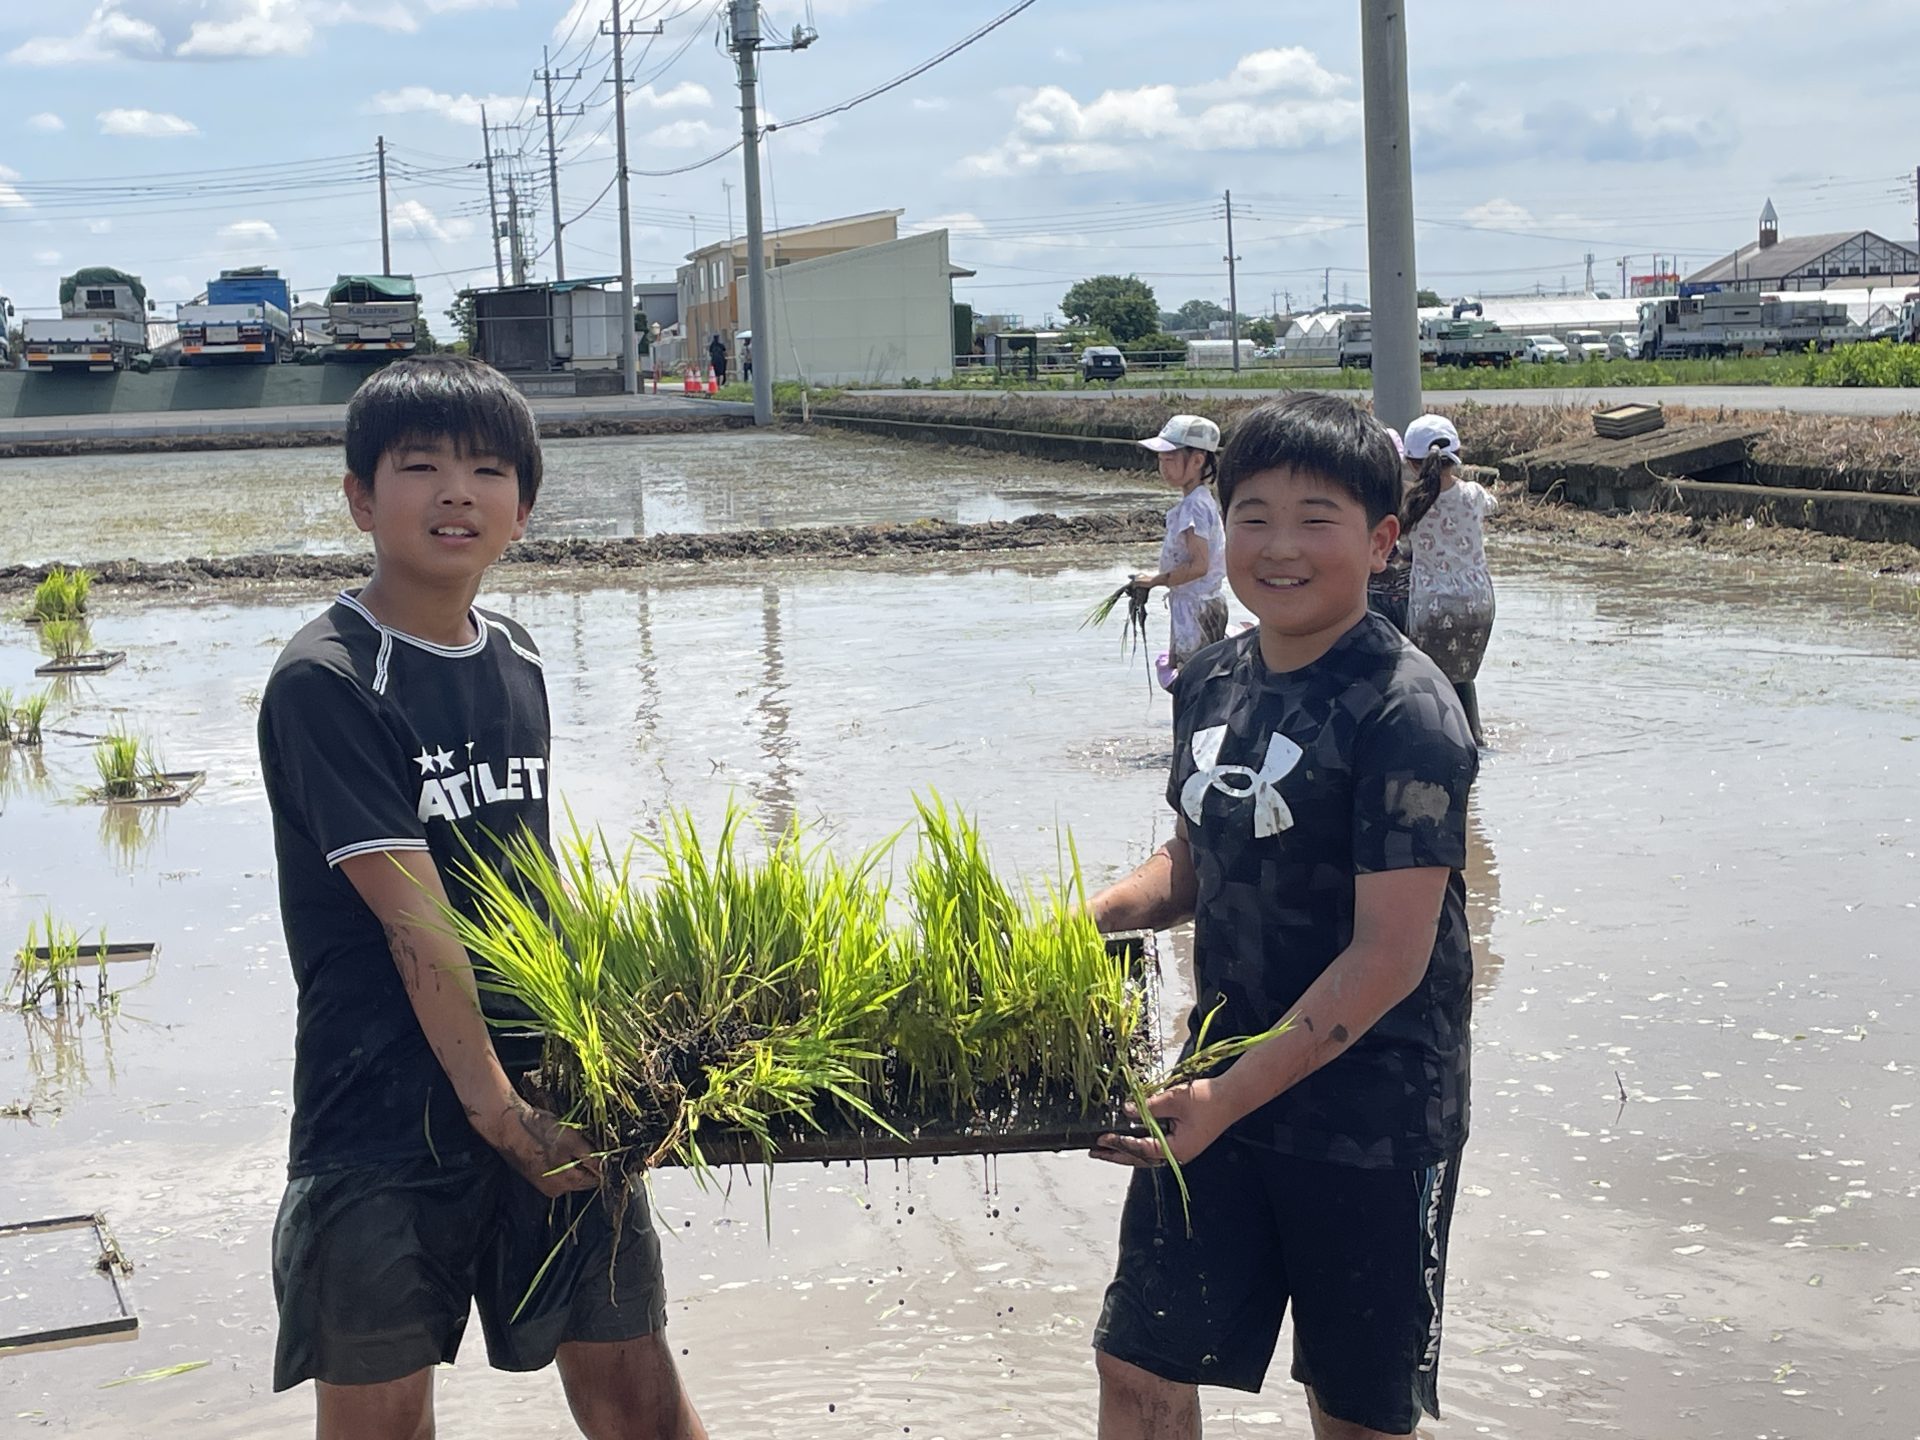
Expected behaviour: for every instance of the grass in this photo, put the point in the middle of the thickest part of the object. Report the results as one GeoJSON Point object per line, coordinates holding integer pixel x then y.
{"type": "Point", "coordinates": [126, 766]}
{"type": "Point", "coordinates": [758, 985]}
{"type": "Point", "coordinates": [65, 639]}
{"type": "Point", "coordinates": [55, 977]}
{"type": "Point", "coordinates": [26, 717]}
{"type": "Point", "coordinates": [62, 595]}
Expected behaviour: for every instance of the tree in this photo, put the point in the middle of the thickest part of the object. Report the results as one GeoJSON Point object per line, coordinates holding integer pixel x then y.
{"type": "Point", "coordinates": [1194, 315]}
{"type": "Point", "coordinates": [1123, 306]}
{"type": "Point", "coordinates": [1428, 298]}
{"type": "Point", "coordinates": [424, 343]}
{"type": "Point", "coordinates": [1260, 332]}
{"type": "Point", "coordinates": [461, 314]}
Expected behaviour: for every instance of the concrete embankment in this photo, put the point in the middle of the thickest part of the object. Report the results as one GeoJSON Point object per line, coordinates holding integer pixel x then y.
{"type": "Point", "coordinates": [824, 542]}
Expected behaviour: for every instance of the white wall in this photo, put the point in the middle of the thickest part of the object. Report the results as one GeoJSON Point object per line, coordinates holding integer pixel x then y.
{"type": "Point", "coordinates": [882, 313]}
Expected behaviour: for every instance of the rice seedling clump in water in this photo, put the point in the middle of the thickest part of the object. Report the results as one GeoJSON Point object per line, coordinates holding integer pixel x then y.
{"type": "Point", "coordinates": [757, 987]}
{"type": "Point", "coordinates": [62, 595]}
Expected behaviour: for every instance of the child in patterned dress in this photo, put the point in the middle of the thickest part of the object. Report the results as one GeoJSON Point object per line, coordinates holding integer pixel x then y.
{"type": "Point", "coordinates": [1450, 603]}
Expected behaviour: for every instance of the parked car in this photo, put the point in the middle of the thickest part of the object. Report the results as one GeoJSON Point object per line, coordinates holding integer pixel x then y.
{"type": "Point", "coordinates": [1544, 349]}
{"type": "Point", "coordinates": [1623, 345]}
{"type": "Point", "coordinates": [1102, 362]}
{"type": "Point", "coordinates": [1586, 345]}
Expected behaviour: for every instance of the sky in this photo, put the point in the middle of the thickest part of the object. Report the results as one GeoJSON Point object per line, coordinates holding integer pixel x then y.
{"type": "Point", "coordinates": [175, 137]}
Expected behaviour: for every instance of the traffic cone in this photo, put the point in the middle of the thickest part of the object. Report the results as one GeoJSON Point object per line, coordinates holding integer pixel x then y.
{"type": "Point", "coordinates": [686, 382]}
{"type": "Point", "coordinates": [713, 385]}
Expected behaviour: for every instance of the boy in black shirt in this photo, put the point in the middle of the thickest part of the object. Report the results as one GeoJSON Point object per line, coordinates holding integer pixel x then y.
{"type": "Point", "coordinates": [403, 735]}
{"type": "Point", "coordinates": [1319, 787]}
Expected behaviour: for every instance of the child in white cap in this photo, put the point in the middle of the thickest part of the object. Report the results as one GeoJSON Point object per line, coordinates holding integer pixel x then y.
{"type": "Point", "coordinates": [1193, 556]}
{"type": "Point", "coordinates": [1450, 603]}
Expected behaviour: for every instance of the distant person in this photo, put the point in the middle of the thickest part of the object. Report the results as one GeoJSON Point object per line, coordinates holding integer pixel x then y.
{"type": "Point", "coordinates": [717, 359]}
{"type": "Point", "coordinates": [1193, 554]}
{"type": "Point", "coordinates": [1450, 598]}
{"type": "Point", "coordinates": [746, 360]}
{"type": "Point", "coordinates": [403, 738]}
{"type": "Point", "coordinates": [1319, 790]}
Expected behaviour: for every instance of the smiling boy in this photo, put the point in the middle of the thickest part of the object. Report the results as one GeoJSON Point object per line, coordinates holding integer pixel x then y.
{"type": "Point", "coordinates": [403, 738]}
{"type": "Point", "coordinates": [1321, 772]}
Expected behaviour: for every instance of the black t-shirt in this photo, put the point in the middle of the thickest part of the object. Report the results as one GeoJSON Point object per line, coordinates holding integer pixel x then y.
{"type": "Point", "coordinates": [372, 740]}
{"type": "Point", "coordinates": [1358, 763]}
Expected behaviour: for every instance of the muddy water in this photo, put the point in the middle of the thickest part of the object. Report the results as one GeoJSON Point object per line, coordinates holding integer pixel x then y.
{"type": "Point", "coordinates": [1694, 886]}
{"type": "Point", "coordinates": [170, 507]}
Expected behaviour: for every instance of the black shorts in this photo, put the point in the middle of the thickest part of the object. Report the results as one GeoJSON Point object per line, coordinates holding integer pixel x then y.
{"type": "Point", "coordinates": [376, 1268]}
{"type": "Point", "coordinates": [1360, 1254]}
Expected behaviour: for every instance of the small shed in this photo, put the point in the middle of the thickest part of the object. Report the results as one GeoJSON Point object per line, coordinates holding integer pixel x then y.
{"type": "Point", "coordinates": [549, 327]}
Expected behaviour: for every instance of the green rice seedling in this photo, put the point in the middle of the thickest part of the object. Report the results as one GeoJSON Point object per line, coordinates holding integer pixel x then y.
{"type": "Point", "coordinates": [62, 595]}
{"type": "Point", "coordinates": [54, 976]}
{"type": "Point", "coordinates": [28, 716]}
{"type": "Point", "coordinates": [6, 715]}
{"type": "Point", "coordinates": [65, 639]}
{"type": "Point", "coordinates": [120, 760]}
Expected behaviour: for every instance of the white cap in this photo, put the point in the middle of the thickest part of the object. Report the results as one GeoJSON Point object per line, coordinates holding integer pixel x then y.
{"type": "Point", "coordinates": [1429, 433]}
{"type": "Point", "coordinates": [1193, 432]}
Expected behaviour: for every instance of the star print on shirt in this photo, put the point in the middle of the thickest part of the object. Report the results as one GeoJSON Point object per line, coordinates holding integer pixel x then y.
{"type": "Point", "coordinates": [443, 759]}
{"type": "Point", "coordinates": [425, 760]}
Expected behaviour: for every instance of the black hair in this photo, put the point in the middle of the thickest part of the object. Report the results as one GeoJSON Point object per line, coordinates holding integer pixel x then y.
{"type": "Point", "coordinates": [1322, 435]}
{"type": "Point", "coordinates": [1425, 490]}
{"type": "Point", "coordinates": [452, 397]}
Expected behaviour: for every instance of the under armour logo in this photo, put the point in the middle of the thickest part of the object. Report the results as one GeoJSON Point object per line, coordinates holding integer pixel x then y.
{"type": "Point", "coordinates": [1270, 812]}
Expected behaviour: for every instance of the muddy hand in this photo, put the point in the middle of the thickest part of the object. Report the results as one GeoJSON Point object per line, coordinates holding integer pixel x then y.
{"type": "Point", "coordinates": [552, 1157]}
{"type": "Point", "coordinates": [1192, 1117]}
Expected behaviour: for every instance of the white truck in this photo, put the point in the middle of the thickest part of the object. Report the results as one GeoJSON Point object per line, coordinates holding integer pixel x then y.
{"type": "Point", "coordinates": [102, 326]}
{"type": "Point", "coordinates": [372, 317]}
{"type": "Point", "coordinates": [1461, 342]}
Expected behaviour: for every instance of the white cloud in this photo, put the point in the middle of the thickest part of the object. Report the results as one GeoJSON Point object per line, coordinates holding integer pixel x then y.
{"type": "Point", "coordinates": [109, 34]}
{"type": "Point", "coordinates": [682, 135]}
{"type": "Point", "coordinates": [99, 227]}
{"type": "Point", "coordinates": [686, 94]}
{"type": "Point", "coordinates": [806, 140]}
{"type": "Point", "coordinates": [149, 124]}
{"type": "Point", "coordinates": [1278, 100]}
{"type": "Point", "coordinates": [933, 102]}
{"type": "Point", "coordinates": [410, 217]}
{"type": "Point", "coordinates": [463, 109]}
{"type": "Point", "coordinates": [46, 257]}
{"type": "Point", "coordinates": [441, 7]}
{"type": "Point", "coordinates": [46, 122]}
{"type": "Point", "coordinates": [249, 232]}
{"type": "Point", "coordinates": [10, 198]}
{"type": "Point", "coordinates": [1500, 213]}
{"type": "Point", "coordinates": [960, 222]}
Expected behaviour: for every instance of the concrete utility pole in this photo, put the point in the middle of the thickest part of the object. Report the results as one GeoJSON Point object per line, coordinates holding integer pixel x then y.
{"type": "Point", "coordinates": [553, 159]}
{"type": "Point", "coordinates": [628, 357]}
{"type": "Point", "coordinates": [386, 252]}
{"type": "Point", "coordinates": [493, 204]}
{"type": "Point", "coordinates": [746, 46]}
{"type": "Point", "coordinates": [1390, 259]}
{"type": "Point", "coordinates": [1233, 288]}
{"type": "Point", "coordinates": [1916, 205]}
{"type": "Point", "coordinates": [514, 247]}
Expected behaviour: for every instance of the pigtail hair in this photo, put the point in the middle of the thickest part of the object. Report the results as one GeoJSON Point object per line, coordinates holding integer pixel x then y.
{"type": "Point", "coordinates": [1425, 490]}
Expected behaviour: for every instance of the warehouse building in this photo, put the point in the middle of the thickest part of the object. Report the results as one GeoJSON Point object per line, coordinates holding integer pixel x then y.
{"type": "Point", "coordinates": [1837, 260]}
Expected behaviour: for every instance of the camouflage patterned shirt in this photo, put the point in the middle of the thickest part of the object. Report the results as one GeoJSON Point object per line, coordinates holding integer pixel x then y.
{"type": "Point", "coordinates": [1292, 785]}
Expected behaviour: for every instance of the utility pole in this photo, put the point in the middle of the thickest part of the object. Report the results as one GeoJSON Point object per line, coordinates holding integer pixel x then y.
{"type": "Point", "coordinates": [628, 355]}
{"type": "Point", "coordinates": [553, 159]}
{"type": "Point", "coordinates": [1623, 277]}
{"type": "Point", "coordinates": [746, 45]}
{"type": "Point", "coordinates": [386, 252]}
{"type": "Point", "coordinates": [1916, 206]}
{"type": "Point", "coordinates": [493, 204]}
{"type": "Point", "coordinates": [1326, 287]}
{"type": "Point", "coordinates": [514, 247]}
{"type": "Point", "coordinates": [1390, 248]}
{"type": "Point", "coordinates": [1233, 289]}
{"type": "Point", "coordinates": [1589, 271]}
{"type": "Point", "coordinates": [727, 186]}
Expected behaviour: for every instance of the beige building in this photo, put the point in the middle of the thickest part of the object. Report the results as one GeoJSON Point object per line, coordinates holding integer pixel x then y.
{"type": "Point", "coordinates": [713, 284]}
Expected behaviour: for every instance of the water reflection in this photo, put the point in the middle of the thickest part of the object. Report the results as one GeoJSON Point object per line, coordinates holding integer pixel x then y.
{"type": "Point", "coordinates": [62, 1057]}
{"type": "Point", "coordinates": [773, 790]}
{"type": "Point", "coordinates": [1483, 904]}
{"type": "Point", "coordinates": [128, 832]}
{"type": "Point", "coordinates": [23, 773]}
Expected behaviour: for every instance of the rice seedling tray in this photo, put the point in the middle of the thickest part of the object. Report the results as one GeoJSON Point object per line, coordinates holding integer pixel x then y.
{"type": "Point", "coordinates": [112, 1265]}
{"type": "Point", "coordinates": [117, 952]}
{"type": "Point", "coordinates": [181, 784]}
{"type": "Point", "coordinates": [1004, 1126]}
{"type": "Point", "coordinates": [93, 662]}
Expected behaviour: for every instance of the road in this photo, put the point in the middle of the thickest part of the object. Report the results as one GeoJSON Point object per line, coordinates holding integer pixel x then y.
{"type": "Point", "coordinates": [1803, 400]}
{"type": "Point", "coordinates": [283, 419]}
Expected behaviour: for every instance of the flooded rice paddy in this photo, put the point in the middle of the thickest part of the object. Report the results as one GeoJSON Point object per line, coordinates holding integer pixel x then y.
{"type": "Point", "coordinates": [1691, 1204]}
{"type": "Point", "coordinates": [174, 507]}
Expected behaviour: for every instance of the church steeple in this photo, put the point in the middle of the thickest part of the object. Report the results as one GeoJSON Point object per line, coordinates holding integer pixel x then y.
{"type": "Point", "coordinates": [1769, 226]}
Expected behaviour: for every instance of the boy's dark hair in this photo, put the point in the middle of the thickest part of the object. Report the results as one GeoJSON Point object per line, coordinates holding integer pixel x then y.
{"type": "Point", "coordinates": [1320, 434]}
{"type": "Point", "coordinates": [453, 397]}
